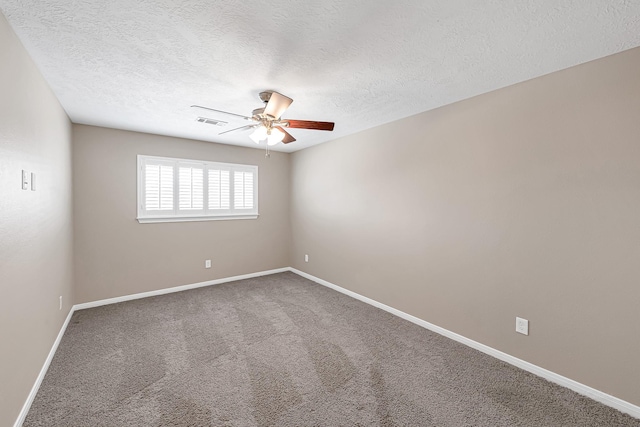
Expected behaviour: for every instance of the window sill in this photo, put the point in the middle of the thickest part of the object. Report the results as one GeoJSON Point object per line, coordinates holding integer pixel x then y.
{"type": "Point", "coordinates": [195, 218]}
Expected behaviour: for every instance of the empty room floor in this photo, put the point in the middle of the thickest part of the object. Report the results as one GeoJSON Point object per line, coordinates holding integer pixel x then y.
{"type": "Point", "coordinates": [282, 350]}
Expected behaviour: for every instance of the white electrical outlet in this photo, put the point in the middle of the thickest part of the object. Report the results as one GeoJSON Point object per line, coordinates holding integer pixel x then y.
{"type": "Point", "coordinates": [522, 326]}
{"type": "Point", "coordinates": [306, 258]}
{"type": "Point", "coordinates": [207, 263]}
{"type": "Point", "coordinates": [60, 302]}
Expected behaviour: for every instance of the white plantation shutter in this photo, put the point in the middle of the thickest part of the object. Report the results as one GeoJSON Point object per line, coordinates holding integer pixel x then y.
{"type": "Point", "coordinates": [219, 189]}
{"type": "Point", "coordinates": [190, 190]}
{"type": "Point", "coordinates": [158, 194]}
{"type": "Point", "coordinates": [243, 190]}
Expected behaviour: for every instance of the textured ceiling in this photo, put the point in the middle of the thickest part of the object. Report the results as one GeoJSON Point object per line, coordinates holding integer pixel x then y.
{"type": "Point", "coordinates": [140, 65]}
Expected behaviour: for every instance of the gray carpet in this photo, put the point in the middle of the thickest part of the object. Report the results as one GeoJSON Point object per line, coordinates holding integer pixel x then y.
{"type": "Point", "coordinates": [281, 350]}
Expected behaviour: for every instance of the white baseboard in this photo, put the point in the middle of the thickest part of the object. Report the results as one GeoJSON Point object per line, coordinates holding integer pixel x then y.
{"type": "Point", "coordinates": [43, 372]}
{"type": "Point", "coordinates": [176, 289]}
{"type": "Point", "coordinates": [580, 388]}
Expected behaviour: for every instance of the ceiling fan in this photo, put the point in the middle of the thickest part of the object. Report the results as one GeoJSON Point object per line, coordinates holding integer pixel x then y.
{"type": "Point", "coordinates": [268, 124]}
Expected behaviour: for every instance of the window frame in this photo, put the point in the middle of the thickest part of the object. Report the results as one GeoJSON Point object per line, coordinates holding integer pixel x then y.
{"type": "Point", "coordinates": [206, 214]}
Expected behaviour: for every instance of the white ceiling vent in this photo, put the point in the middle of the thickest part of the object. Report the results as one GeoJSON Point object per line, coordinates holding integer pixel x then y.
{"type": "Point", "coordinates": [211, 121]}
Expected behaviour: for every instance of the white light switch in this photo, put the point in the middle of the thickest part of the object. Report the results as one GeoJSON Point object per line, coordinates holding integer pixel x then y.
{"type": "Point", "coordinates": [25, 179]}
{"type": "Point", "coordinates": [33, 181]}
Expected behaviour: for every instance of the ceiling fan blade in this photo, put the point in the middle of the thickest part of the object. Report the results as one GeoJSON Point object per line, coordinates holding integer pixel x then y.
{"type": "Point", "coordinates": [238, 129]}
{"type": "Point", "coordinates": [287, 136]}
{"type": "Point", "coordinates": [308, 124]}
{"type": "Point", "coordinates": [223, 112]}
{"type": "Point", "coordinates": [277, 104]}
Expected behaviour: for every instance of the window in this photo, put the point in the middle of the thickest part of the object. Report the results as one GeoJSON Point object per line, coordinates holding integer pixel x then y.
{"type": "Point", "coordinates": [190, 190]}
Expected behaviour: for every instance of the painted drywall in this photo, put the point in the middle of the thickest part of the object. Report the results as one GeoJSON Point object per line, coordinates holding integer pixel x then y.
{"type": "Point", "coordinates": [520, 202]}
{"type": "Point", "coordinates": [36, 252]}
{"type": "Point", "coordinates": [115, 255]}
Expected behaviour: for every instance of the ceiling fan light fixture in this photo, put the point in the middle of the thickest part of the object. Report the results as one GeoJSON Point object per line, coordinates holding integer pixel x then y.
{"type": "Point", "coordinates": [259, 134]}
{"type": "Point", "coordinates": [268, 125]}
{"type": "Point", "coordinates": [275, 136]}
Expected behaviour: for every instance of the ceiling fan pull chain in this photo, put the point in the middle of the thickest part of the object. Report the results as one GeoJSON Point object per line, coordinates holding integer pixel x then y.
{"type": "Point", "coordinates": [268, 153]}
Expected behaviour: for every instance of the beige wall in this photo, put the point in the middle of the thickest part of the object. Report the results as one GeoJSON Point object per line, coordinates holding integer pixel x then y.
{"type": "Point", "coordinates": [115, 255]}
{"type": "Point", "coordinates": [35, 226]}
{"type": "Point", "coordinates": [520, 202]}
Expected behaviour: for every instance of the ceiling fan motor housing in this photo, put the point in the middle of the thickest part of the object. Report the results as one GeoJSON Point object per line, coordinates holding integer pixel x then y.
{"type": "Point", "coordinates": [265, 96]}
